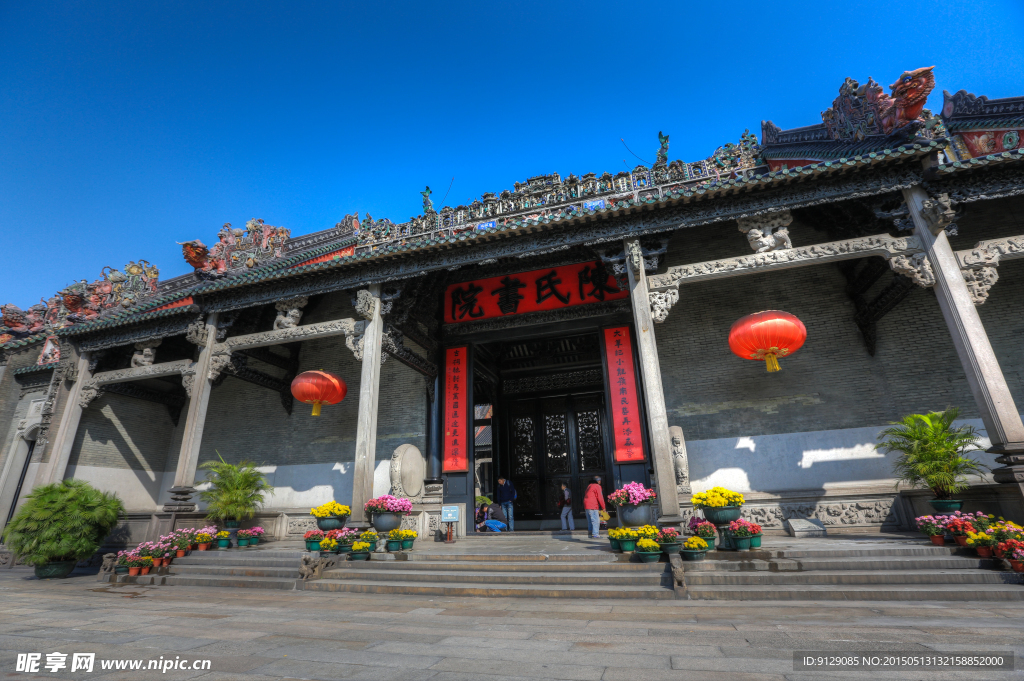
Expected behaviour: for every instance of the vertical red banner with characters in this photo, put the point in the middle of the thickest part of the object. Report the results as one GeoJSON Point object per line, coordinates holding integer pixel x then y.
{"type": "Point", "coordinates": [456, 433]}
{"type": "Point", "coordinates": [624, 407]}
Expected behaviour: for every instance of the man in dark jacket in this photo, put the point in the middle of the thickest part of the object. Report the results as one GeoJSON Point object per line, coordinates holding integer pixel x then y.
{"type": "Point", "coordinates": [504, 496]}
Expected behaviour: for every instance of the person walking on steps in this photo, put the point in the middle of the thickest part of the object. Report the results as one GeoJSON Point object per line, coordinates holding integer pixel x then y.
{"type": "Point", "coordinates": [565, 503]}
{"type": "Point", "coordinates": [506, 494]}
{"type": "Point", "coordinates": [593, 504]}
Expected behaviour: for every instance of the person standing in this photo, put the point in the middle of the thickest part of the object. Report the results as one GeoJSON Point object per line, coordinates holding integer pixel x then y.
{"type": "Point", "coordinates": [506, 494]}
{"type": "Point", "coordinates": [593, 503]}
{"type": "Point", "coordinates": [565, 502]}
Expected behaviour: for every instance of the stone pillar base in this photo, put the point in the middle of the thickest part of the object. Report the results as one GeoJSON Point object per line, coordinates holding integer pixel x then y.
{"type": "Point", "coordinates": [181, 500]}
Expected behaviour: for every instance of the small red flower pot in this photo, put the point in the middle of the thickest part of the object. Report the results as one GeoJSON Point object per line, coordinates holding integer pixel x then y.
{"type": "Point", "coordinates": [180, 553]}
{"type": "Point", "coordinates": [204, 547]}
{"type": "Point", "coordinates": [133, 571]}
{"type": "Point", "coordinates": [1017, 565]}
{"type": "Point", "coordinates": [144, 571]}
{"type": "Point", "coordinates": [961, 539]}
{"type": "Point", "coordinates": [997, 552]}
{"type": "Point", "coordinates": [984, 551]}
{"type": "Point", "coordinates": [938, 539]}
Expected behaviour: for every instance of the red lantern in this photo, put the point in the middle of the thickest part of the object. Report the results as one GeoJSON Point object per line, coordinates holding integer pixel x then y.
{"type": "Point", "coordinates": [767, 336]}
{"type": "Point", "coordinates": [318, 387]}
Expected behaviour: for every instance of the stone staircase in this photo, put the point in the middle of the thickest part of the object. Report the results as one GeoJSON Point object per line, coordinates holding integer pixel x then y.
{"type": "Point", "coordinates": [257, 569]}
{"type": "Point", "coordinates": [601, 575]}
{"type": "Point", "coordinates": [905, 571]}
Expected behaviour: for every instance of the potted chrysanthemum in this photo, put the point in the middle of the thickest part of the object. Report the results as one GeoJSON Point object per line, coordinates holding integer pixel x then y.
{"type": "Point", "coordinates": [634, 504]}
{"type": "Point", "coordinates": [387, 511]}
{"type": "Point", "coordinates": [648, 550]}
{"type": "Point", "coordinates": [331, 516]}
{"type": "Point", "coordinates": [720, 505]}
{"type": "Point", "coordinates": [360, 551]}
{"type": "Point", "coordinates": [704, 530]}
{"type": "Point", "coordinates": [694, 549]}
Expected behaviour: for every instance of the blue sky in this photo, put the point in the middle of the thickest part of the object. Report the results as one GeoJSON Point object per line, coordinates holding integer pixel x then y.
{"type": "Point", "coordinates": [127, 126]}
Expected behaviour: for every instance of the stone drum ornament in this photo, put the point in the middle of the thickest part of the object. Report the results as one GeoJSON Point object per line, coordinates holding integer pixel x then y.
{"type": "Point", "coordinates": [318, 387]}
{"type": "Point", "coordinates": [766, 336]}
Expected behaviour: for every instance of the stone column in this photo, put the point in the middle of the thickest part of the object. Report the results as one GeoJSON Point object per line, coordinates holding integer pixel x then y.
{"type": "Point", "coordinates": [435, 425]}
{"type": "Point", "coordinates": [369, 392]}
{"type": "Point", "coordinates": [199, 386]}
{"type": "Point", "coordinates": [64, 440]}
{"type": "Point", "coordinates": [984, 376]}
{"type": "Point", "coordinates": [654, 395]}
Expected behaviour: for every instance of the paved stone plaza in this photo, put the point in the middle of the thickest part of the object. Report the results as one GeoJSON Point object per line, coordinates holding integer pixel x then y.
{"type": "Point", "coordinates": [252, 634]}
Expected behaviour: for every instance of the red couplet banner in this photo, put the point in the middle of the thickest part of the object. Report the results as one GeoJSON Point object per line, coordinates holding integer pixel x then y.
{"type": "Point", "coordinates": [456, 432]}
{"type": "Point", "coordinates": [540, 290]}
{"type": "Point", "coordinates": [625, 410]}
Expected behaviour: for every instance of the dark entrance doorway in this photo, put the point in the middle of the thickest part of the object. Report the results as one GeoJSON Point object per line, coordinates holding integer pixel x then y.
{"type": "Point", "coordinates": [552, 440]}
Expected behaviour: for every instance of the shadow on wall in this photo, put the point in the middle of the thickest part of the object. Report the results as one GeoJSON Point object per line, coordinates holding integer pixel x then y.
{"type": "Point", "coordinates": [806, 462]}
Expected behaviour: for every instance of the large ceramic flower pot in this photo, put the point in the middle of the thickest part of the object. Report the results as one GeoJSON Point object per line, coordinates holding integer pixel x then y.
{"type": "Point", "coordinates": [689, 554]}
{"type": "Point", "coordinates": [671, 547]}
{"type": "Point", "coordinates": [946, 505]}
{"type": "Point", "coordinates": [334, 522]}
{"type": "Point", "coordinates": [636, 516]}
{"type": "Point", "coordinates": [56, 570]}
{"type": "Point", "coordinates": [385, 522]}
{"type": "Point", "coordinates": [722, 515]}
{"type": "Point", "coordinates": [648, 556]}
{"type": "Point", "coordinates": [232, 524]}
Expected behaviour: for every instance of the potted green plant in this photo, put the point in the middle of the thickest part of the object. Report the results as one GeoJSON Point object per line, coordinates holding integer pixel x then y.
{"type": "Point", "coordinates": [627, 539]}
{"type": "Point", "coordinates": [370, 537]}
{"type": "Point", "coordinates": [933, 453]}
{"type": "Point", "coordinates": [668, 540]}
{"type": "Point", "coordinates": [648, 550]}
{"type": "Point", "coordinates": [613, 539]}
{"type": "Point", "coordinates": [694, 549]}
{"type": "Point", "coordinates": [243, 538]}
{"type": "Point", "coordinates": [235, 492]}
{"type": "Point", "coordinates": [394, 540]}
{"type": "Point", "coordinates": [61, 524]}
{"type": "Point", "coordinates": [223, 540]}
{"type": "Point", "coordinates": [408, 537]}
{"type": "Point", "coordinates": [255, 535]}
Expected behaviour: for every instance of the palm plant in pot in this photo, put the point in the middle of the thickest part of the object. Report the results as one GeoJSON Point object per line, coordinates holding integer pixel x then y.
{"type": "Point", "coordinates": [61, 524]}
{"type": "Point", "coordinates": [235, 493]}
{"type": "Point", "coordinates": [933, 454]}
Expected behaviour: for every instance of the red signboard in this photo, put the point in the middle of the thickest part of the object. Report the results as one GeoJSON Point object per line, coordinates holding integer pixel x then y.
{"type": "Point", "coordinates": [456, 432]}
{"type": "Point", "coordinates": [549, 289]}
{"type": "Point", "coordinates": [624, 407]}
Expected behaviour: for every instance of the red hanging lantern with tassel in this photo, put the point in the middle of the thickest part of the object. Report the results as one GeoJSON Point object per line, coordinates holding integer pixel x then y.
{"type": "Point", "coordinates": [767, 336]}
{"type": "Point", "coordinates": [318, 387]}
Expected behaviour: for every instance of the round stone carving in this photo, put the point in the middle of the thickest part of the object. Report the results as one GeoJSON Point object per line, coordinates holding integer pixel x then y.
{"type": "Point", "coordinates": [407, 470]}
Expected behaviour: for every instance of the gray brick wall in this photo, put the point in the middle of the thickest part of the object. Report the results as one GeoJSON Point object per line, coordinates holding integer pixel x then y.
{"type": "Point", "coordinates": [123, 432]}
{"type": "Point", "coordinates": [248, 422]}
{"type": "Point", "coordinates": [832, 382]}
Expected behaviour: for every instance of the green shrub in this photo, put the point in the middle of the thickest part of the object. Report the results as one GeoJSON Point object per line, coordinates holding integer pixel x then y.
{"type": "Point", "coordinates": [933, 452]}
{"type": "Point", "coordinates": [483, 500]}
{"type": "Point", "coordinates": [64, 521]}
{"type": "Point", "coordinates": [236, 492]}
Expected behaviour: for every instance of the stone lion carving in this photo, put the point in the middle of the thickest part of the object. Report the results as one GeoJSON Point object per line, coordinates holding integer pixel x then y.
{"type": "Point", "coordinates": [767, 232]}
{"type": "Point", "coordinates": [313, 567]}
{"type": "Point", "coordinates": [145, 353]}
{"type": "Point", "coordinates": [109, 563]}
{"type": "Point", "coordinates": [289, 312]}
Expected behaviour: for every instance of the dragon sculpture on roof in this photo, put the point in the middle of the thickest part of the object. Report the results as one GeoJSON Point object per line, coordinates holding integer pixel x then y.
{"type": "Point", "coordinates": [864, 110]}
{"type": "Point", "coordinates": [236, 249]}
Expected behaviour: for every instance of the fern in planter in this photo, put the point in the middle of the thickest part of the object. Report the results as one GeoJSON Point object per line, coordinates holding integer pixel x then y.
{"type": "Point", "coordinates": [64, 521]}
{"type": "Point", "coordinates": [236, 492]}
{"type": "Point", "coordinates": [933, 453]}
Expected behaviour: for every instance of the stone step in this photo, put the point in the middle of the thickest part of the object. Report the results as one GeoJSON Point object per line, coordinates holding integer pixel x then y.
{"type": "Point", "coordinates": [286, 584]}
{"type": "Point", "coordinates": [236, 571]}
{"type": "Point", "coordinates": [859, 592]}
{"type": "Point", "coordinates": [854, 577]}
{"type": "Point", "coordinates": [543, 566]}
{"type": "Point", "coordinates": [513, 557]}
{"type": "Point", "coordinates": [856, 563]}
{"type": "Point", "coordinates": [470, 589]}
{"type": "Point", "coordinates": [767, 552]}
{"type": "Point", "coordinates": [502, 578]}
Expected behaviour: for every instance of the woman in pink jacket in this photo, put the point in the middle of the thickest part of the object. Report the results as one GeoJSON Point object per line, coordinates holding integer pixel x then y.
{"type": "Point", "coordinates": [593, 502]}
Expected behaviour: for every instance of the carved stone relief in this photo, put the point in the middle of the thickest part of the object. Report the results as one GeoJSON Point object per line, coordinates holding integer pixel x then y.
{"type": "Point", "coordinates": [979, 282]}
{"type": "Point", "coordinates": [145, 353]}
{"type": "Point", "coordinates": [868, 512]}
{"type": "Point", "coordinates": [661, 303]}
{"type": "Point", "coordinates": [289, 312]}
{"type": "Point", "coordinates": [917, 267]}
{"type": "Point", "coordinates": [679, 462]}
{"type": "Point", "coordinates": [301, 524]}
{"type": "Point", "coordinates": [408, 466]}
{"type": "Point", "coordinates": [768, 232]}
